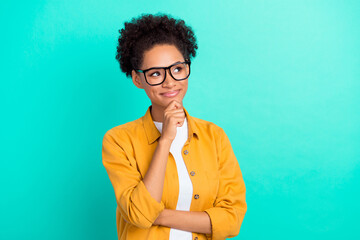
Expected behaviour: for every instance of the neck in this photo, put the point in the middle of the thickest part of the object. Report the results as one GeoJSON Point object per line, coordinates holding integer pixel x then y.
{"type": "Point", "coordinates": [157, 113]}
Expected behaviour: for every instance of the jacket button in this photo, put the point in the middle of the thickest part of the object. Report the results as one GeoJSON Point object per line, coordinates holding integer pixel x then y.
{"type": "Point", "coordinates": [186, 152]}
{"type": "Point", "coordinates": [196, 196]}
{"type": "Point", "coordinates": [195, 238]}
{"type": "Point", "coordinates": [192, 173]}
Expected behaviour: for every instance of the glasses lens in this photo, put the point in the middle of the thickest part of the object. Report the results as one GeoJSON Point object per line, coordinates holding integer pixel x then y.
{"type": "Point", "coordinates": [180, 71]}
{"type": "Point", "coordinates": [155, 76]}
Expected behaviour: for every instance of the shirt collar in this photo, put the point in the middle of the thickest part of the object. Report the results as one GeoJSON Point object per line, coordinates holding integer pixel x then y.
{"type": "Point", "coordinates": [153, 133]}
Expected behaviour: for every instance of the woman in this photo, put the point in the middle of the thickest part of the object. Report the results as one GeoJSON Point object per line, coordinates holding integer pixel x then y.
{"type": "Point", "coordinates": [175, 176]}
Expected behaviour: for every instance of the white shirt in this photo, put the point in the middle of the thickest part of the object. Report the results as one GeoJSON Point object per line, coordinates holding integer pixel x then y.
{"type": "Point", "coordinates": [185, 184]}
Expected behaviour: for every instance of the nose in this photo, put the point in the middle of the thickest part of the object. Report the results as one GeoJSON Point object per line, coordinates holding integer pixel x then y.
{"type": "Point", "coordinates": [169, 80]}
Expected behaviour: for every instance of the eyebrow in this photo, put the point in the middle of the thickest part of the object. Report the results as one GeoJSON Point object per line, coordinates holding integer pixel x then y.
{"type": "Point", "coordinates": [164, 67]}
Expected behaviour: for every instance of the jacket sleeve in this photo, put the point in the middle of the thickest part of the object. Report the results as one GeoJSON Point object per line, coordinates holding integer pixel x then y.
{"type": "Point", "coordinates": [230, 206]}
{"type": "Point", "coordinates": [135, 203]}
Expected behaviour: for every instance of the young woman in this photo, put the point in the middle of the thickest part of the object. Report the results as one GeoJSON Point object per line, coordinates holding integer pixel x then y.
{"type": "Point", "coordinates": [175, 176]}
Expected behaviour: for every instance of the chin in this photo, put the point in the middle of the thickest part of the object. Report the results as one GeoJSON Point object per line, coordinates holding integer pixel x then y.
{"type": "Point", "coordinates": [166, 102]}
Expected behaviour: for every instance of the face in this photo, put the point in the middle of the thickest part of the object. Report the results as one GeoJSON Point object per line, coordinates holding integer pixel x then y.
{"type": "Point", "coordinates": [161, 56]}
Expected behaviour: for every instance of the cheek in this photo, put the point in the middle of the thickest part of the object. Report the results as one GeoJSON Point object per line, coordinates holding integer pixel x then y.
{"type": "Point", "coordinates": [185, 86]}
{"type": "Point", "coordinates": [155, 92]}
{"type": "Point", "coordinates": [149, 92]}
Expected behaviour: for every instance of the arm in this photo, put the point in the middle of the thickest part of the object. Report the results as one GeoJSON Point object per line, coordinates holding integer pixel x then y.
{"type": "Point", "coordinates": [137, 205]}
{"type": "Point", "coordinates": [155, 175]}
{"type": "Point", "coordinates": [225, 218]}
{"type": "Point", "coordinates": [191, 221]}
{"type": "Point", "coordinates": [230, 206]}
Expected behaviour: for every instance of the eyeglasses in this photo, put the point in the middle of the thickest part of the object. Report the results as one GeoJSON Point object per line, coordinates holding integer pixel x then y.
{"type": "Point", "coordinates": [157, 75]}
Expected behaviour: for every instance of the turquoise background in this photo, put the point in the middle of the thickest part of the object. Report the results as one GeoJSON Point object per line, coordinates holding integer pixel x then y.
{"type": "Point", "coordinates": [281, 77]}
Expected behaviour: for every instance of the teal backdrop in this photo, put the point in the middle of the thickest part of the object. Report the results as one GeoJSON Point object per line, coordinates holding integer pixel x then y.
{"type": "Point", "coordinates": [281, 77]}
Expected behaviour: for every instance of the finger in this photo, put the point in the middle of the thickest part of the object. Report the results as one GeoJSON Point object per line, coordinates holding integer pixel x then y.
{"type": "Point", "coordinates": [179, 124]}
{"type": "Point", "coordinates": [175, 116]}
{"type": "Point", "coordinates": [170, 106]}
{"type": "Point", "coordinates": [178, 121]}
{"type": "Point", "coordinates": [175, 104]}
{"type": "Point", "coordinates": [180, 115]}
{"type": "Point", "coordinates": [173, 111]}
{"type": "Point", "coordinates": [178, 105]}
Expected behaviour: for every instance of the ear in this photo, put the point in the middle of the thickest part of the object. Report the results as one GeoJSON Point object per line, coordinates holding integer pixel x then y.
{"type": "Point", "coordinates": [136, 79]}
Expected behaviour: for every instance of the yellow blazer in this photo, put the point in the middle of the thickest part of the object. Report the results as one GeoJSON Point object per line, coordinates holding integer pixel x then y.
{"type": "Point", "coordinates": [212, 166]}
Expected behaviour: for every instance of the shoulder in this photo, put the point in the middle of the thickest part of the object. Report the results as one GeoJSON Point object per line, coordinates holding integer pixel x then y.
{"type": "Point", "coordinates": [124, 131]}
{"type": "Point", "coordinates": [208, 127]}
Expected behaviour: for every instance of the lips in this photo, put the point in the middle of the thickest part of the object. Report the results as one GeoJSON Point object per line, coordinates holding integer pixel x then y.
{"type": "Point", "coordinates": [171, 93]}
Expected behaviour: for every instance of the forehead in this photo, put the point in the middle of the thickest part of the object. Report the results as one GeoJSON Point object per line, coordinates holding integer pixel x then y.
{"type": "Point", "coordinates": [161, 56]}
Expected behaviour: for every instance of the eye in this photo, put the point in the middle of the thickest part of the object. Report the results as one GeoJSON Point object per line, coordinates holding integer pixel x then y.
{"type": "Point", "coordinates": [154, 74]}
{"type": "Point", "coordinates": [178, 69]}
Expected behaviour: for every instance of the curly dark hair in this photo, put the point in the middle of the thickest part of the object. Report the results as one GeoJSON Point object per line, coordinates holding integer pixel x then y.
{"type": "Point", "coordinates": [142, 33]}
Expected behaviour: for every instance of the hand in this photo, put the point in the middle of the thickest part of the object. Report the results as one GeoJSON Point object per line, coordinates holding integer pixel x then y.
{"type": "Point", "coordinates": [174, 116]}
{"type": "Point", "coordinates": [158, 219]}
{"type": "Point", "coordinates": [157, 222]}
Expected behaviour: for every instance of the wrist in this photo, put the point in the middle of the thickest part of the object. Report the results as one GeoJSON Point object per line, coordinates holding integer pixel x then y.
{"type": "Point", "coordinates": [165, 141]}
{"type": "Point", "coordinates": [160, 219]}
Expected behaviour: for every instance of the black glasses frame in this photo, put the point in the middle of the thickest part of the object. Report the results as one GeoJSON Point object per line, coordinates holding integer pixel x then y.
{"type": "Point", "coordinates": [165, 68]}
